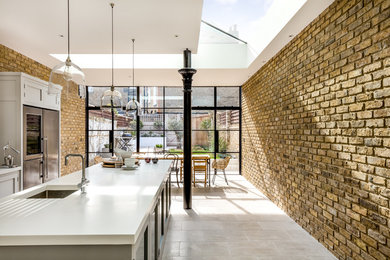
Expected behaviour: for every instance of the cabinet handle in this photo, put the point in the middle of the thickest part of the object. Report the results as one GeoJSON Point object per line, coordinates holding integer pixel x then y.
{"type": "Point", "coordinates": [40, 93]}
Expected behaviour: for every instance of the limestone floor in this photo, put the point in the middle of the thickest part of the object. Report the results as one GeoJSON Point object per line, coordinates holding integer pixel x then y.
{"type": "Point", "coordinates": [236, 222]}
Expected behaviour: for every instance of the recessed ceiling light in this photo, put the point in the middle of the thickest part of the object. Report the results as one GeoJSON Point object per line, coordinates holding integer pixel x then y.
{"type": "Point", "coordinates": [291, 35]}
{"type": "Point", "coordinates": [60, 35]}
{"type": "Point", "coordinates": [176, 36]}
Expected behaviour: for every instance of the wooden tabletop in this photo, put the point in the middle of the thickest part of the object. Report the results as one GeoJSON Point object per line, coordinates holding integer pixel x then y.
{"type": "Point", "coordinates": [162, 157]}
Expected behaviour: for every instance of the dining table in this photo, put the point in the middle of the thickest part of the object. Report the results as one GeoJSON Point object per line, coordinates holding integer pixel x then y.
{"type": "Point", "coordinates": [162, 156]}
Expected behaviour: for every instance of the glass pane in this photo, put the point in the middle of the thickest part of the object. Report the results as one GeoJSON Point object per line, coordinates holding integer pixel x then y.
{"type": "Point", "coordinates": [152, 119]}
{"type": "Point", "coordinates": [203, 141]}
{"type": "Point", "coordinates": [229, 141]}
{"type": "Point", "coordinates": [125, 140]}
{"type": "Point", "coordinates": [228, 96]}
{"type": "Point", "coordinates": [202, 97]}
{"type": "Point", "coordinates": [151, 141]}
{"type": "Point", "coordinates": [233, 166]}
{"type": "Point", "coordinates": [202, 119]}
{"type": "Point", "coordinates": [151, 97]}
{"type": "Point", "coordinates": [124, 122]}
{"type": "Point", "coordinates": [174, 119]}
{"type": "Point", "coordinates": [99, 141]}
{"type": "Point", "coordinates": [94, 158]}
{"type": "Point", "coordinates": [228, 120]}
{"type": "Point", "coordinates": [95, 94]}
{"type": "Point", "coordinates": [174, 141]}
{"type": "Point", "coordinates": [99, 120]}
{"type": "Point", "coordinates": [173, 97]}
{"type": "Point", "coordinates": [33, 133]}
{"type": "Point", "coordinates": [128, 93]}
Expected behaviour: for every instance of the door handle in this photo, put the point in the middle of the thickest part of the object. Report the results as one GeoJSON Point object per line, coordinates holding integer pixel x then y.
{"type": "Point", "coordinates": [46, 158]}
{"type": "Point", "coordinates": [41, 170]}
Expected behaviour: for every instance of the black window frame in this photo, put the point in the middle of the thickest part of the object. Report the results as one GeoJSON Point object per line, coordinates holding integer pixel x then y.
{"type": "Point", "coordinates": [164, 129]}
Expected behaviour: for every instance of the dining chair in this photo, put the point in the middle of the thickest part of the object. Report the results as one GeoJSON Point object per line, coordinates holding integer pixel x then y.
{"type": "Point", "coordinates": [174, 166]}
{"type": "Point", "coordinates": [220, 164]}
{"type": "Point", "coordinates": [199, 166]}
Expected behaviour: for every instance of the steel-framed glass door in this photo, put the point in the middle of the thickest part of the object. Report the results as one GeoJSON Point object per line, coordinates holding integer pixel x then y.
{"type": "Point", "coordinates": [216, 122]}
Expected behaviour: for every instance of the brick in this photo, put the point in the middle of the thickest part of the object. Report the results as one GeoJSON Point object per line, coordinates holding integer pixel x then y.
{"type": "Point", "coordinates": [382, 93]}
{"type": "Point", "coordinates": [364, 115]}
{"type": "Point", "coordinates": [382, 152]}
{"type": "Point", "coordinates": [325, 159]}
{"type": "Point", "coordinates": [373, 141]}
{"type": "Point", "coordinates": [374, 104]}
{"type": "Point", "coordinates": [356, 107]}
{"type": "Point", "coordinates": [372, 67]}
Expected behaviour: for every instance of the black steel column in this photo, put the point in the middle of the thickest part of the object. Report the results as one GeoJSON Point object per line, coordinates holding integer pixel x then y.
{"type": "Point", "coordinates": [187, 74]}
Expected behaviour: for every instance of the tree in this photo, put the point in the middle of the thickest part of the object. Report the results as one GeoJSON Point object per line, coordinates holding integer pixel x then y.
{"type": "Point", "coordinates": [174, 125]}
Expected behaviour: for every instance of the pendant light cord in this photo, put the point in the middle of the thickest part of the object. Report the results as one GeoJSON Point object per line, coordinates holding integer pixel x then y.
{"type": "Point", "coordinates": [112, 46]}
{"type": "Point", "coordinates": [68, 32]}
{"type": "Point", "coordinates": [133, 65]}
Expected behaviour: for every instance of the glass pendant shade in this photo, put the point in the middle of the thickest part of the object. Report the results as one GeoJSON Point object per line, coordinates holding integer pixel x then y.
{"type": "Point", "coordinates": [111, 100]}
{"type": "Point", "coordinates": [67, 70]}
{"type": "Point", "coordinates": [133, 108]}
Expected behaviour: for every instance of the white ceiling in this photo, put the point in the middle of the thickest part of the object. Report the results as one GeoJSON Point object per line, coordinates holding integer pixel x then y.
{"type": "Point", "coordinates": [33, 30]}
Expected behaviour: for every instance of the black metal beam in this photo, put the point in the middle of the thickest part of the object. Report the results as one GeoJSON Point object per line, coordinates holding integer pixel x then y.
{"type": "Point", "coordinates": [187, 72]}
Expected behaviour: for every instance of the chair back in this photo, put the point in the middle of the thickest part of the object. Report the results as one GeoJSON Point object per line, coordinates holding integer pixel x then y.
{"type": "Point", "coordinates": [175, 158]}
{"type": "Point", "coordinates": [221, 164]}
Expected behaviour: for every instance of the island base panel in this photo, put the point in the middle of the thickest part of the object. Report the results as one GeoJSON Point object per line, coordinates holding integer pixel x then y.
{"type": "Point", "coordinates": [66, 252]}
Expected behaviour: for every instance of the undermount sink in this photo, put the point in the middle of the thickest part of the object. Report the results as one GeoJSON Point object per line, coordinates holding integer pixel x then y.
{"type": "Point", "coordinates": [52, 194]}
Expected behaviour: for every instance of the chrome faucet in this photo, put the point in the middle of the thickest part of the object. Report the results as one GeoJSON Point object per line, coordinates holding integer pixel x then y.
{"type": "Point", "coordinates": [8, 146]}
{"type": "Point", "coordinates": [84, 180]}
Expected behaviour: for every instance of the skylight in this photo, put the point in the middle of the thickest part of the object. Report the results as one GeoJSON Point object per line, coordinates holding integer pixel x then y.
{"type": "Point", "coordinates": [232, 34]}
{"type": "Point", "coordinates": [254, 21]}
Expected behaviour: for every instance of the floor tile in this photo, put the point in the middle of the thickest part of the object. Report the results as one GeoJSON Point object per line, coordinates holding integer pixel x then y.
{"type": "Point", "coordinates": [236, 222]}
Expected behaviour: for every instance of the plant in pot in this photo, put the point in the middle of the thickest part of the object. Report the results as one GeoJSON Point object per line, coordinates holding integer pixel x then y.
{"type": "Point", "coordinates": [158, 148]}
{"type": "Point", "coordinates": [222, 143]}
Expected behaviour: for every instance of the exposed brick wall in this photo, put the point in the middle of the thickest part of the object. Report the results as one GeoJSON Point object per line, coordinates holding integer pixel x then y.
{"type": "Point", "coordinates": [316, 129]}
{"type": "Point", "coordinates": [72, 107]}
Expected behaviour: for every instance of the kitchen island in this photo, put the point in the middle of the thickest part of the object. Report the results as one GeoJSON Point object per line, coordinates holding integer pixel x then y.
{"type": "Point", "coordinates": [122, 215]}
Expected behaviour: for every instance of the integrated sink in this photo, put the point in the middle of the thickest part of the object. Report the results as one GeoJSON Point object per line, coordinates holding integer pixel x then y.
{"type": "Point", "coordinates": [52, 194]}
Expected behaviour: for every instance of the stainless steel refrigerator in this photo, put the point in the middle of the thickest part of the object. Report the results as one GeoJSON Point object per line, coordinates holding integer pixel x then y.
{"type": "Point", "coordinates": [40, 145]}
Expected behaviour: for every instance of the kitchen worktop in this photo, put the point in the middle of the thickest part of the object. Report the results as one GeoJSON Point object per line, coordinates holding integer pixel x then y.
{"type": "Point", "coordinates": [7, 170]}
{"type": "Point", "coordinates": [112, 211]}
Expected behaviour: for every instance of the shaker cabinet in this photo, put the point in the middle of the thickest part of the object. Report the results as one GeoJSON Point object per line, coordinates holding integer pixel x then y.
{"type": "Point", "coordinates": [18, 89]}
{"type": "Point", "coordinates": [9, 182]}
{"type": "Point", "coordinates": [35, 93]}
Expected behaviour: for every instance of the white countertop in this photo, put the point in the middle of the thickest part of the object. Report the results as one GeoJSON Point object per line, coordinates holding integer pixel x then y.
{"type": "Point", "coordinates": [8, 170]}
{"type": "Point", "coordinates": [112, 211]}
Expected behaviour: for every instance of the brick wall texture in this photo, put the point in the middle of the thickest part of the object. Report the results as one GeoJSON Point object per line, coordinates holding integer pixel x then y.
{"type": "Point", "coordinates": [72, 107]}
{"type": "Point", "coordinates": [316, 129]}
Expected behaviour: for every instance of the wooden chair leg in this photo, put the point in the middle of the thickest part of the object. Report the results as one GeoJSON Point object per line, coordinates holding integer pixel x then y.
{"type": "Point", "coordinates": [205, 178]}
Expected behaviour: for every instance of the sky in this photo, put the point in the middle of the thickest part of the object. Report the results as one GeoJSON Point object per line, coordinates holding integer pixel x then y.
{"type": "Point", "coordinates": [258, 21]}
{"type": "Point", "coordinates": [226, 13]}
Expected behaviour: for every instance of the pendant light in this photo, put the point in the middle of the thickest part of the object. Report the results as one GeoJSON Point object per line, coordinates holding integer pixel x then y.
{"type": "Point", "coordinates": [111, 99]}
{"type": "Point", "coordinates": [68, 70]}
{"type": "Point", "coordinates": [133, 108]}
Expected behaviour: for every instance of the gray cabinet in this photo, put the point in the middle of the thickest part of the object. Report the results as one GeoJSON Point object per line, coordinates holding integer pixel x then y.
{"type": "Point", "coordinates": [9, 183]}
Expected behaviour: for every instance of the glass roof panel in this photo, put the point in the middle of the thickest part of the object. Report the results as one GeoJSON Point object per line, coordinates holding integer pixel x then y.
{"type": "Point", "coordinates": [254, 21]}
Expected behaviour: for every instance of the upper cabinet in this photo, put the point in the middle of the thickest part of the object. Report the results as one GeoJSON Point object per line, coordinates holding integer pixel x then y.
{"type": "Point", "coordinates": [18, 89]}
{"type": "Point", "coordinates": [35, 93]}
